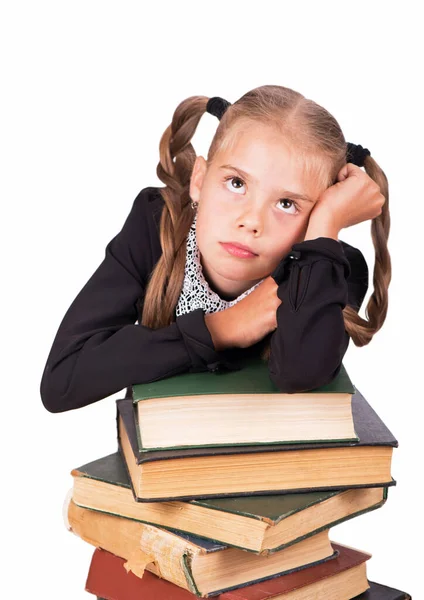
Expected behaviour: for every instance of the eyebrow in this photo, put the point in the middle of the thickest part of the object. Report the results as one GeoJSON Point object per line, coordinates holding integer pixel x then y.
{"type": "Point", "coordinates": [301, 197]}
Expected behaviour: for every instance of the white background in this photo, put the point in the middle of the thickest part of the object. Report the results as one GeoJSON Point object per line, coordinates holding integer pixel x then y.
{"type": "Point", "coordinates": [87, 90]}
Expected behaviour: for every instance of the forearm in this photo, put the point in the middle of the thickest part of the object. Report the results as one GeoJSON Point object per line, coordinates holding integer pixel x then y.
{"type": "Point", "coordinates": [318, 227]}
{"type": "Point", "coordinates": [321, 226]}
{"type": "Point", "coordinates": [310, 340]}
{"type": "Point", "coordinates": [85, 367]}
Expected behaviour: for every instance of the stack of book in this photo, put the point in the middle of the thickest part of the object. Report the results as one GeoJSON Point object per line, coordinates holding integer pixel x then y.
{"type": "Point", "coordinates": [224, 486]}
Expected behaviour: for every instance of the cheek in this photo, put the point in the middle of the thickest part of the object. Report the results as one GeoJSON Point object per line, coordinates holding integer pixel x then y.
{"type": "Point", "coordinates": [218, 203]}
{"type": "Point", "coordinates": [213, 215]}
{"type": "Point", "coordinates": [301, 231]}
{"type": "Point", "coordinates": [297, 227]}
{"type": "Point", "coordinates": [207, 234]}
{"type": "Point", "coordinates": [284, 240]}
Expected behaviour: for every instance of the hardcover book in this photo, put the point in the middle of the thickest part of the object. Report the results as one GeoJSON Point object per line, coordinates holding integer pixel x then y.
{"type": "Point", "coordinates": [342, 578]}
{"type": "Point", "coordinates": [202, 567]}
{"type": "Point", "coordinates": [260, 524]}
{"type": "Point", "coordinates": [193, 410]}
{"type": "Point", "coordinates": [190, 473]}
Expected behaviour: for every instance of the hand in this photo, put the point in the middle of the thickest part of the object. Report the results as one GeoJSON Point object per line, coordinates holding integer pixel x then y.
{"type": "Point", "coordinates": [353, 199]}
{"type": "Point", "coordinates": [248, 321]}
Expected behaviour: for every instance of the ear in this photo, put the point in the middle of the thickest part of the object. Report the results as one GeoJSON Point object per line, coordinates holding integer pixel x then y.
{"type": "Point", "coordinates": [197, 175]}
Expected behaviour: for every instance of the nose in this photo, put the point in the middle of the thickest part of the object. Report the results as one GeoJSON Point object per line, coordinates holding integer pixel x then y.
{"type": "Point", "coordinates": [251, 219]}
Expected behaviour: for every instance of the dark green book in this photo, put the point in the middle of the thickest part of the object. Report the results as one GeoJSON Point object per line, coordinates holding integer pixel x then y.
{"type": "Point", "coordinates": [189, 473]}
{"type": "Point", "coordinates": [261, 524]}
{"type": "Point", "coordinates": [242, 407]}
{"type": "Point", "coordinates": [377, 591]}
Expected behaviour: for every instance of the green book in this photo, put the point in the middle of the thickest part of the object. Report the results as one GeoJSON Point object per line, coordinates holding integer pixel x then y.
{"type": "Point", "coordinates": [260, 524]}
{"type": "Point", "coordinates": [243, 407]}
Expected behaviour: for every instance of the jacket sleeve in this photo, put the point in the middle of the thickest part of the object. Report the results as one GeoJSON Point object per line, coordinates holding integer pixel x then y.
{"type": "Point", "coordinates": [99, 350]}
{"type": "Point", "coordinates": [316, 280]}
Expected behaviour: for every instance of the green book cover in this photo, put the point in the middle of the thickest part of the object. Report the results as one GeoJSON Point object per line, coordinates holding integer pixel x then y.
{"type": "Point", "coordinates": [252, 378]}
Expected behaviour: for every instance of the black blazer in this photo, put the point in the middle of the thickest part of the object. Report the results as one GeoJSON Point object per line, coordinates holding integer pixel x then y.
{"type": "Point", "coordinates": [99, 349]}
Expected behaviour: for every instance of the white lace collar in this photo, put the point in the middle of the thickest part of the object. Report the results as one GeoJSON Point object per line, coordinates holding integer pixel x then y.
{"type": "Point", "coordinates": [196, 292]}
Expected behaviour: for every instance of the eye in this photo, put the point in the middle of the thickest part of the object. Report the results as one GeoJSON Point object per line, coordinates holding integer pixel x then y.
{"type": "Point", "coordinates": [234, 178]}
{"type": "Point", "coordinates": [292, 204]}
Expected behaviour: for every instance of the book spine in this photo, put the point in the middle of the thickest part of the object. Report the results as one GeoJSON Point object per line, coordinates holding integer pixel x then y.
{"type": "Point", "coordinates": [173, 560]}
{"type": "Point", "coordinates": [142, 546]}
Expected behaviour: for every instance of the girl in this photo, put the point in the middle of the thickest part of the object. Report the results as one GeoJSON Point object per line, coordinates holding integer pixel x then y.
{"type": "Point", "coordinates": [237, 254]}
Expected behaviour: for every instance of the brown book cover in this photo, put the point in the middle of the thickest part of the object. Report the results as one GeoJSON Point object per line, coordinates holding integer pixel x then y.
{"type": "Point", "coordinates": [108, 578]}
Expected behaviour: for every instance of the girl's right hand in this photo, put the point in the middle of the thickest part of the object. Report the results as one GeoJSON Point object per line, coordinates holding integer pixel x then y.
{"type": "Point", "coordinates": [248, 321]}
{"type": "Point", "coordinates": [354, 198]}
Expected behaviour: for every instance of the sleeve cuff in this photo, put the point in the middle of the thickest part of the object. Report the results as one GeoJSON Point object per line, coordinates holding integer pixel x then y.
{"type": "Point", "coordinates": [199, 344]}
{"type": "Point", "coordinates": [308, 252]}
{"type": "Point", "coordinates": [324, 245]}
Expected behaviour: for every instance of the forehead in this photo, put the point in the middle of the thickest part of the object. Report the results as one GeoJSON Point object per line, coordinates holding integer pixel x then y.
{"type": "Point", "coordinates": [271, 161]}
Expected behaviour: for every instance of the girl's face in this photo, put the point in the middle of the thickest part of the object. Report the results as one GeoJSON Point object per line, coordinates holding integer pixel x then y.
{"type": "Point", "coordinates": [250, 194]}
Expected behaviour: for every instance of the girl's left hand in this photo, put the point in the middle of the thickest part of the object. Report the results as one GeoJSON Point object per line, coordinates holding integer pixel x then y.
{"type": "Point", "coordinates": [353, 199]}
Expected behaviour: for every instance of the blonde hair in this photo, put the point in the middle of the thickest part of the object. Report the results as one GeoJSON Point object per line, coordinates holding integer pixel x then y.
{"type": "Point", "coordinates": [306, 126]}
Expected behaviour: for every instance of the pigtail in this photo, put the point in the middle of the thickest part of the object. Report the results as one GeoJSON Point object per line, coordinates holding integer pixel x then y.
{"type": "Point", "coordinates": [177, 157]}
{"type": "Point", "coordinates": [362, 330]}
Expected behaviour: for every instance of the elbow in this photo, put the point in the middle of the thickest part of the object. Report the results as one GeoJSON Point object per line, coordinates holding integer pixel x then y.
{"type": "Point", "coordinates": [51, 406]}
{"type": "Point", "coordinates": [303, 380]}
{"type": "Point", "coordinates": [70, 384]}
{"type": "Point", "coordinates": [51, 396]}
{"type": "Point", "coordinates": [59, 388]}
{"type": "Point", "coordinates": [55, 399]}
{"type": "Point", "coordinates": [49, 401]}
{"type": "Point", "coordinates": [74, 377]}
{"type": "Point", "coordinates": [63, 385]}
{"type": "Point", "coordinates": [308, 369]}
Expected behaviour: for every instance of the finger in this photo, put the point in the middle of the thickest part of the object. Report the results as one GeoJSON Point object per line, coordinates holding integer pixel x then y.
{"type": "Point", "coordinates": [348, 170]}
{"type": "Point", "coordinates": [343, 173]}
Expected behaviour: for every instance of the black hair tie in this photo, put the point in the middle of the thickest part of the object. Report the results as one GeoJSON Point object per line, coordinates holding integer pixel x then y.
{"type": "Point", "coordinates": [217, 106]}
{"type": "Point", "coordinates": [356, 154]}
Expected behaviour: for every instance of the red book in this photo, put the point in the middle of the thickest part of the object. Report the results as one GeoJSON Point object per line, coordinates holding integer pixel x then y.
{"type": "Point", "coordinates": [108, 578]}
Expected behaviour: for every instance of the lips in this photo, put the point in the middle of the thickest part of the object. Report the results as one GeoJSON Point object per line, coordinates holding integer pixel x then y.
{"type": "Point", "coordinates": [237, 250]}
{"type": "Point", "coordinates": [242, 246]}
